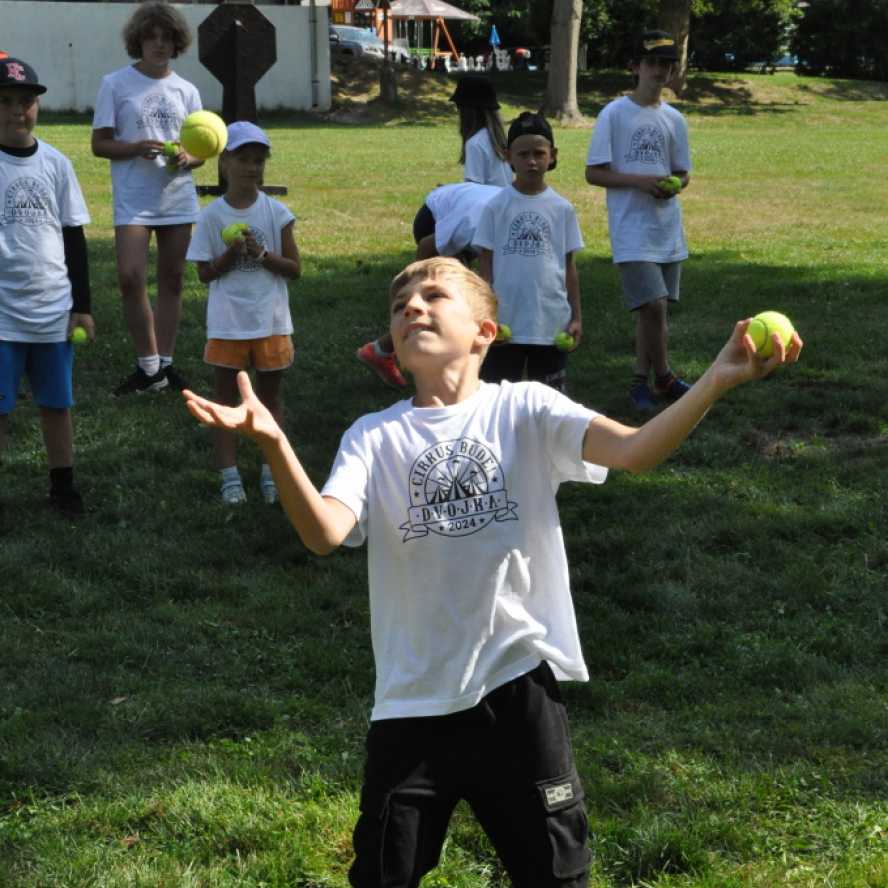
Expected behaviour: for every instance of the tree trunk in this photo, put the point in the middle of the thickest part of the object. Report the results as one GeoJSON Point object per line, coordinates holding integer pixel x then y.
{"type": "Point", "coordinates": [561, 83]}
{"type": "Point", "coordinates": [675, 17]}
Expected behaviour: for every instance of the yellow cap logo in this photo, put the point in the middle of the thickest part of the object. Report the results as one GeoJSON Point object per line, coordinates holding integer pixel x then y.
{"type": "Point", "coordinates": [654, 44]}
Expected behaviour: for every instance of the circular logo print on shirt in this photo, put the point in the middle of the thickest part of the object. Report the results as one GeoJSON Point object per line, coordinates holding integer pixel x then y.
{"type": "Point", "coordinates": [647, 145]}
{"type": "Point", "coordinates": [529, 235]}
{"type": "Point", "coordinates": [160, 113]}
{"type": "Point", "coordinates": [456, 488]}
{"type": "Point", "coordinates": [27, 201]}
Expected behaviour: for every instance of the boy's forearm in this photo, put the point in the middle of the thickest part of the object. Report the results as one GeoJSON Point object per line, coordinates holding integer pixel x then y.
{"type": "Point", "coordinates": [320, 528]}
{"type": "Point", "coordinates": [572, 281]}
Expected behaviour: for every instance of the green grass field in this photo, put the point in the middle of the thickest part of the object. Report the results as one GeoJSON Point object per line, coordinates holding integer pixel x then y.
{"type": "Point", "coordinates": [185, 689]}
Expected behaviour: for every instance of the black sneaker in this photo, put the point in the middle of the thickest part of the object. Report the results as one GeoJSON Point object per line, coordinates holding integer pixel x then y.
{"type": "Point", "coordinates": [140, 383]}
{"type": "Point", "coordinates": [175, 380]}
{"type": "Point", "coordinates": [68, 502]}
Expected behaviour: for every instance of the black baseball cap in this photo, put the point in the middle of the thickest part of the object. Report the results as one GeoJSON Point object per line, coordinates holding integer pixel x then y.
{"type": "Point", "coordinates": [529, 123]}
{"type": "Point", "coordinates": [657, 45]}
{"type": "Point", "coordinates": [15, 72]}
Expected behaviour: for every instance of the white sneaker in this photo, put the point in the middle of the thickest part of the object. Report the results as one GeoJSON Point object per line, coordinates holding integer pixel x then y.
{"type": "Point", "coordinates": [269, 490]}
{"type": "Point", "coordinates": [233, 493]}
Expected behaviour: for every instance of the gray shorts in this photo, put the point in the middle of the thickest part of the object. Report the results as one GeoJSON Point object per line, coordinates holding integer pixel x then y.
{"type": "Point", "coordinates": [645, 282]}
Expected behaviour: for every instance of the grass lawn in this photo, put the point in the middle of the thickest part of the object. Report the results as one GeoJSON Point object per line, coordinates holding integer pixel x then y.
{"type": "Point", "coordinates": [185, 689]}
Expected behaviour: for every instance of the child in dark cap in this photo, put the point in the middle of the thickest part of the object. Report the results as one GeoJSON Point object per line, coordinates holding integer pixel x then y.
{"type": "Point", "coordinates": [44, 288]}
{"type": "Point", "coordinates": [639, 140]}
{"type": "Point", "coordinates": [527, 237]}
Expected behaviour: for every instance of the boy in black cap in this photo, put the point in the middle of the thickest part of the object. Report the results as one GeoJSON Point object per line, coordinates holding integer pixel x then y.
{"type": "Point", "coordinates": [527, 237]}
{"type": "Point", "coordinates": [639, 141]}
{"type": "Point", "coordinates": [44, 290]}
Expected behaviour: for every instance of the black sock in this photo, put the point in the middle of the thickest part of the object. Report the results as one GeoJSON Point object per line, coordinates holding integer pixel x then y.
{"type": "Point", "coordinates": [639, 379]}
{"type": "Point", "coordinates": [61, 479]}
{"type": "Point", "coordinates": [663, 381]}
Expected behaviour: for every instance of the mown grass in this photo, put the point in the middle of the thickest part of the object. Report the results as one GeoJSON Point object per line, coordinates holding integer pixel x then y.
{"type": "Point", "coordinates": [186, 689]}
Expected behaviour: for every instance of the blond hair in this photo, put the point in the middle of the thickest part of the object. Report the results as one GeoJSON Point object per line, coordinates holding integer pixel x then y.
{"type": "Point", "coordinates": [477, 292]}
{"type": "Point", "coordinates": [156, 15]}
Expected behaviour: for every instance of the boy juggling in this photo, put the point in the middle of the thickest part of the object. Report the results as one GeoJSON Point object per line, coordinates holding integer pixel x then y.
{"type": "Point", "coordinates": [527, 238]}
{"type": "Point", "coordinates": [639, 141]}
{"type": "Point", "coordinates": [471, 617]}
{"type": "Point", "coordinates": [44, 276]}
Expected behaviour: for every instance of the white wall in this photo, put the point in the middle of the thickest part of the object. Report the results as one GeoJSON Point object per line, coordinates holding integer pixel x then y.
{"type": "Point", "coordinates": [72, 45]}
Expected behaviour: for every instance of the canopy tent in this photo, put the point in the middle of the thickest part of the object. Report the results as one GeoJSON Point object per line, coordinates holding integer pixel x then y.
{"type": "Point", "coordinates": [435, 11]}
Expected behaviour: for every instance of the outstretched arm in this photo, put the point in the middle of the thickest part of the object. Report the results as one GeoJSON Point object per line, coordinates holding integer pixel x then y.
{"type": "Point", "coordinates": [612, 444]}
{"type": "Point", "coordinates": [321, 521]}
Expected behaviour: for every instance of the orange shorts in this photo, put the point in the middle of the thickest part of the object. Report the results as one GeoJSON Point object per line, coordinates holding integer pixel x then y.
{"type": "Point", "coordinates": [267, 353]}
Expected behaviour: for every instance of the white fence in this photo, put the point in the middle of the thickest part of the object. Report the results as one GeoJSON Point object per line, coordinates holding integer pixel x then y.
{"type": "Point", "coordinates": [72, 45]}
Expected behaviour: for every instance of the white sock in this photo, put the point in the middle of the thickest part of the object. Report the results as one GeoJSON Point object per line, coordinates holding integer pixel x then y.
{"type": "Point", "coordinates": [265, 474]}
{"type": "Point", "coordinates": [230, 475]}
{"type": "Point", "coordinates": [150, 364]}
{"type": "Point", "coordinates": [165, 361]}
{"type": "Point", "coordinates": [380, 350]}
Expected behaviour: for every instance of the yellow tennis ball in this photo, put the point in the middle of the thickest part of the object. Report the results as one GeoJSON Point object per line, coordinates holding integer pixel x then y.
{"type": "Point", "coordinates": [672, 184]}
{"type": "Point", "coordinates": [503, 333]}
{"type": "Point", "coordinates": [203, 135]}
{"type": "Point", "coordinates": [762, 328]}
{"type": "Point", "coordinates": [564, 341]}
{"type": "Point", "coordinates": [234, 232]}
{"type": "Point", "coordinates": [79, 335]}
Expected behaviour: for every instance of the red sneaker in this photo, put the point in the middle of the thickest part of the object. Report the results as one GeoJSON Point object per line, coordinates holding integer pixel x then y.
{"type": "Point", "coordinates": [384, 366]}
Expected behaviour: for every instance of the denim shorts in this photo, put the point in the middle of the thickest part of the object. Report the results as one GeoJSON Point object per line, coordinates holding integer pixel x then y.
{"type": "Point", "coordinates": [48, 366]}
{"type": "Point", "coordinates": [509, 757]}
{"type": "Point", "coordinates": [645, 282]}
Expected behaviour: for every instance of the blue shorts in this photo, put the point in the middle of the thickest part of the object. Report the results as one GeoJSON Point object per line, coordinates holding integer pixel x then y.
{"type": "Point", "coordinates": [48, 366]}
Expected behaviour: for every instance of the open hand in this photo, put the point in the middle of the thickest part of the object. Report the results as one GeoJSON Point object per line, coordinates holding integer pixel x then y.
{"type": "Point", "coordinates": [250, 418]}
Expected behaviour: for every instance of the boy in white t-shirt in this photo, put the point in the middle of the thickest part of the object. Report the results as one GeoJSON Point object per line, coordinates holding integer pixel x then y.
{"type": "Point", "coordinates": [248, 310]}
{"type": "Point", "coordinates": [527, 237]}
{"type": "Point", "coordinates": [640, 140]}
{"type": "Point", "coordinates": [471, 616]}
{"type": "Point", "coordinates": [44, 276]}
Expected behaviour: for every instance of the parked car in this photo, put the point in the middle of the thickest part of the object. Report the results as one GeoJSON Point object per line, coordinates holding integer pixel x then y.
{"type": "Point", "coordinates": [349, 40]}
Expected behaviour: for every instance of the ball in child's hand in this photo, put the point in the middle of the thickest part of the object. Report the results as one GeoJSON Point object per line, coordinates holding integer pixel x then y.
{"type": "Point", "coordinates": [763, 327]}
{"type": "Point", "coordinates": [503, 333]}
{"type": "Point", "coordinates": [672, 184]}
{"type": "Point", "coordinates": [203, 134]}
{"type": "Point", "coordinates": [234, 232]}
{"type": "Point", "coordinates": [170, 149]}
{"type": "Point", "coordinates": [79, 335]}
{"type": "Point", "coordinates": [564, 341]}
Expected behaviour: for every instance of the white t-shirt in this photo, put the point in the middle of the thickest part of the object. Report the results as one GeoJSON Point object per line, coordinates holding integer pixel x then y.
{"type": "Point", "coordinates": [456, 209]}
{"type": "Point", "coordinates": [530, 236]}
{"type": "Point", "coordinates": [40, 196]}
{"type": "Point", "coordinates": [649, 141]}
{"type": "Point", "coordinates": [468, 575]}
{"type": "Point", "coordinates": [137, 107]}
{"type": "Point", "coordinates": [482, 165]}
{"type": "Point", "coordinates": [249, 302]}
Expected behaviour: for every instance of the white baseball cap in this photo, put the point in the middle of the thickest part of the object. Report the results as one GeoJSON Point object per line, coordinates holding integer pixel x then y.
{"type": "Point", "coordinates": [242, 132]}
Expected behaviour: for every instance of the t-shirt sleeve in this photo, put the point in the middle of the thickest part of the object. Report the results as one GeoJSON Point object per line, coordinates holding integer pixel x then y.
{"type": "Point", "coordinates": [681, 151]}
{"type": "Point", "coordinates": [349, 482]}
{"type": "Point", "coordinates": [475, 167]}
{"type": "Point", "coordinates": [564, 428]}
{"type": "Point", "coordinates": [72, 206]}
{"type": "Point", "coordinates": [201, 249]}
{"type": "Point", "coordinates": [573, 237]}
{"type": "Point", "coordinates": [283, 215]}
{"type": "Point", "coordinates": [484, 230]}
{"type": "Point", "coordinates": [600, 146]}
{"type": "Point", "coordinates": [105, 114]}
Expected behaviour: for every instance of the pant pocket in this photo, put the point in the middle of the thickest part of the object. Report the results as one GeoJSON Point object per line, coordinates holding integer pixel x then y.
{"type": "Point", "coordinates": [566, 824]}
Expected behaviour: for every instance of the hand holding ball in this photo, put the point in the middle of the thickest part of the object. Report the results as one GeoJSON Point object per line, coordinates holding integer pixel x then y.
{"type": "Point", "coordinates": [564, 341]}
{"type": "Point", "coordinates": [671, 184]}
{"type": "Point", "coordinates": [203, 135]}
{"type": "Point", "coordinates": [171, 149]}
{"type": "Point", "coordinates": [79, 335]}
{"type": "Point", "coordinates": [762, 329]}
{"type": "Point", "coordinates": [233, 232]}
